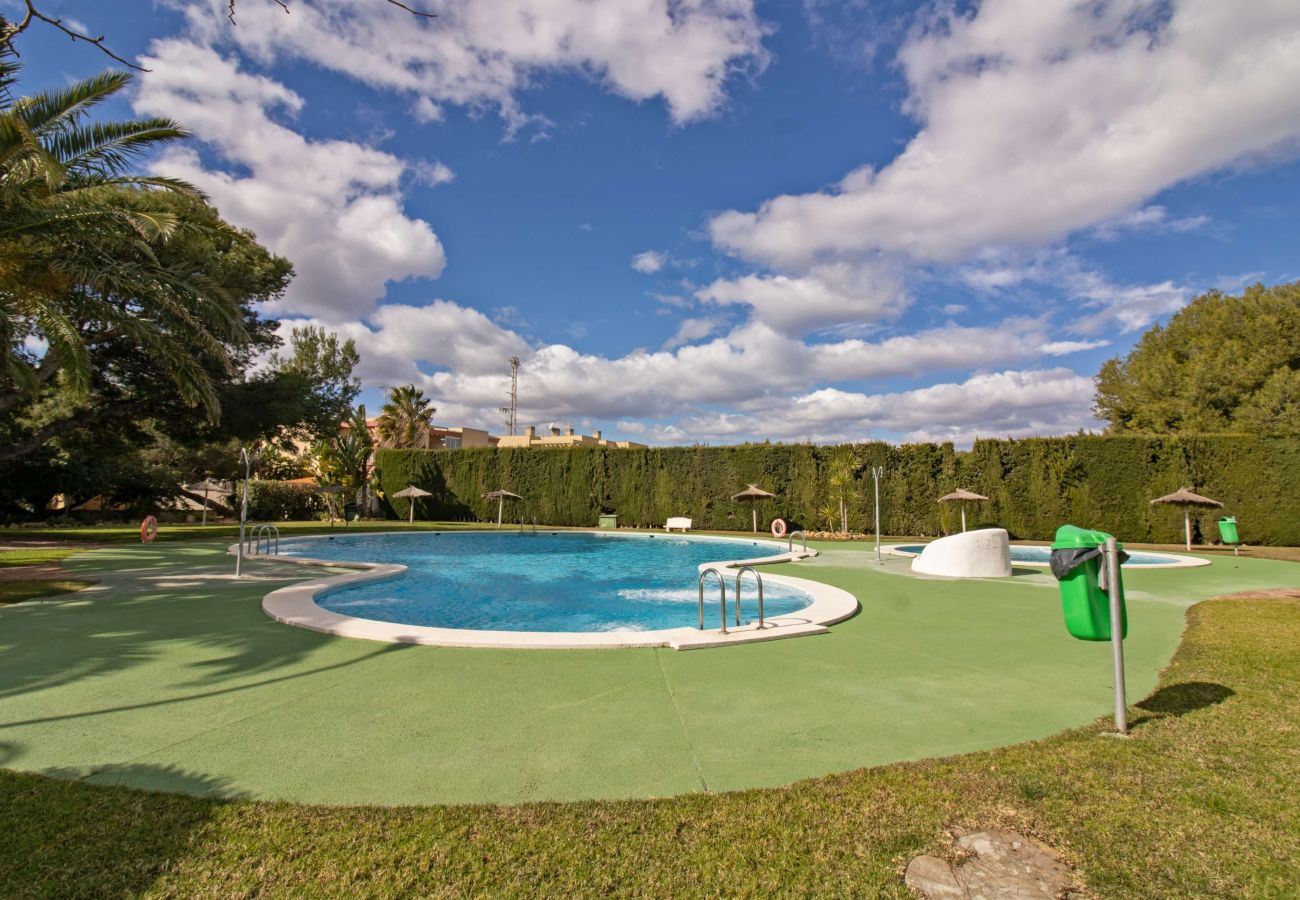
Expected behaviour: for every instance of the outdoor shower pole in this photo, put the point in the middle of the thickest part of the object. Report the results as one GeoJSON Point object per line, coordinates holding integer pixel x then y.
{"type": "Point", "coordinates": [1116, 634]}
{"type": "Point", "coordinates": [876, 472]}
{"type": "Point", "coordinates": [243, 509]}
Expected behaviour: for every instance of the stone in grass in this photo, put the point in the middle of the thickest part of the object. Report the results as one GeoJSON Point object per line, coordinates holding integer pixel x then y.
{"type": "Point", "coordinates": [1002, 864]}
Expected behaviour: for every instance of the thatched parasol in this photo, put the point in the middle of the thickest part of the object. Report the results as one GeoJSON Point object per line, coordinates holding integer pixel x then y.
{"type": "Point", "coordinates": [501, 497]}
{"type": "Point", "coordinates": [411, 491]}
{"type": "Point", "coordinates": [753, 493]}
{"type": "Point", "coordinates": [1186, 499]}
{"type": "Point", "coordinates": [207, 486]}
{"type": "Point", "coordinates": [962, 496]}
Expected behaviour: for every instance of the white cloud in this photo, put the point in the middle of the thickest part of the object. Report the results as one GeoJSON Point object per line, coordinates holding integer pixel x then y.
{"type": "Point", "coordinates": [332, 207]}
{"type": "Point", "coordinates": [1149, 219]}
{"type": "Point", "coordinates": [484, 54]}
{"type": "Point", "coordinates": [826, 296]}
{"type": "Point", "coordinates": [459, 356]}
{"type": "Point", "coordinates": [648, 262]}
{"type": "Point", "coordinates": [434, 173]}
{"type": "Point", "coordinates": [1105, 304]}
{"type": "Point", "coordinates": [426, 111]}
{"type": "Point", "coordinates": [691, 330]}
{"type": "Point", "coordinates": [999, 404]}
{"type": "Point", "coordinates": [954, 309]}
{"type": "Point", "coordinates": [1039, 119]}
{"type": "Point", "coordinates": [1064, 348]}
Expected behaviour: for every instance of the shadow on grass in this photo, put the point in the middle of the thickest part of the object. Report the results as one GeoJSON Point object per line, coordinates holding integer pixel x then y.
{"type": "Point", "coordinates": [71, 839]}
{"type": "Point", "coordinates": [1188, 696]}
{"type": "Point", "coordinates": [181, 601]}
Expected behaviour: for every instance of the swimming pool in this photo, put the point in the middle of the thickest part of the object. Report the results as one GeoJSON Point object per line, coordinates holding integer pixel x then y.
{"type": "Point", "coordinates": [1041, 556]}
{"type": "Point", "coordinates": [552, 582]}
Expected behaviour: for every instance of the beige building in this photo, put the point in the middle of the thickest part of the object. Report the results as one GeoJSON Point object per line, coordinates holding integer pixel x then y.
{"type": "Point", "coordinates": [558, 438]}
{"type": "Point", "coordinates": [436, 438]}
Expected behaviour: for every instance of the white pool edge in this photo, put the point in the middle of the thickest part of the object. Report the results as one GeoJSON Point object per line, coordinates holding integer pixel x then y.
{"type": "Point", "coordinates": [1181, 561]}
{"type": "Point", "coordinates": [295, 605]}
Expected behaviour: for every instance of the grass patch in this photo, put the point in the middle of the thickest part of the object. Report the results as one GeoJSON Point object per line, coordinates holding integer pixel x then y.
{"type": "Point", "coordinates": [30, 589]}
{"type": "Point", "coordinates": [34, 556]}
{"type": "Point", "coordinates": [1202, 800]}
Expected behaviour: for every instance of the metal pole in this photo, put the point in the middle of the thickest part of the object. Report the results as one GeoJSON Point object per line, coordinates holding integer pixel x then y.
{"type": "Point", "coordinates": [875, 476]}
{"type": "Point", "coordinates": [1116, 635]}
{"type": "Point", "coordinates": [243, 510]}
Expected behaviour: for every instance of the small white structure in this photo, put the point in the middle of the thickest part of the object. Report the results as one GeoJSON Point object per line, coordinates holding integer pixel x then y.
{"type": "Point", "coordinates": [679, 522]}
{"type": "Point", "coordinates": [985, 553]}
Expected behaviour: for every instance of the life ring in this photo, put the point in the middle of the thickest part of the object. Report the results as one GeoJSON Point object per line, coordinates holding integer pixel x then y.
{"type": "Point", "coordinates": [148, 529]}
{"type": "Point", "coordinates": [778, 528]}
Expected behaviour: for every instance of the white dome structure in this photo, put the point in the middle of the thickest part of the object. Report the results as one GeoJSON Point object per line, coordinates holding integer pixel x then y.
{"type": "Point", "coordinates": [985, 553]}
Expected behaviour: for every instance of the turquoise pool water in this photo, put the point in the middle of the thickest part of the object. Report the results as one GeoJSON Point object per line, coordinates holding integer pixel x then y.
{"type": "Point", "coordinates": [544, 582]}
{"type": "Point", "coordinates": [1042, 555]}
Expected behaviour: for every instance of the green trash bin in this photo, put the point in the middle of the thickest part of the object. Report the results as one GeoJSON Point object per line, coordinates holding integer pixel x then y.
{"type": "Point", "coordinates": [1228, 530]}
{"type": "Point", "coordinates": [1077, 558]}
{"type": "Point", "coordinates": [608, 521]}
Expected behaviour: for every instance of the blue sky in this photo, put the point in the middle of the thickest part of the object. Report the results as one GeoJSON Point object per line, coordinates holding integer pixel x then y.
{"type": "Point", "coordinates": [713, 220]}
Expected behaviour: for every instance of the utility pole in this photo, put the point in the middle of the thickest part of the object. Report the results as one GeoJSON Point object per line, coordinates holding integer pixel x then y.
{"type": "Point", "coordinates": [512, 411]}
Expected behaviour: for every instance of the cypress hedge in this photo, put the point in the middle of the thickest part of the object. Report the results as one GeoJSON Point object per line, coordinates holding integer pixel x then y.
{"type": "Point", "coordinates": [1034, 485]}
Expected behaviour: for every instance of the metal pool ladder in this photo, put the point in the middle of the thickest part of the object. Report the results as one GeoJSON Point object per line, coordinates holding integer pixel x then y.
{"type": "Point", "coordinates": [759, 580]}
{"type": "Point", "coordinates": [268, 533]}
{"type": "Point", "coordinates": [789, 544]}
{"type": "Point", "coordinates": [722, 585]}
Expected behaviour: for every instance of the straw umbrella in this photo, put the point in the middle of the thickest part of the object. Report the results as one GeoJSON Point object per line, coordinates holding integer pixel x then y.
{"type": "Point", "coordinates": [411, 491]}
{"type": "Point", "coordinates": [205, 486]}
{"type": "Point", "coordinates": [501, 497]}
{"type": "Point", "coordinates": [962, 496]}
{"type": "Point", "coordinates": [330, 490]}
{"type": "Point", "coordinates": [1186, 499]}
{"type": "Point", "coordinates": [753, 493]}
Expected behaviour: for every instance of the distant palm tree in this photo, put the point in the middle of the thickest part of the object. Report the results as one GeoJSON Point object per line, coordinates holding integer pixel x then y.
{"type": "Point", "coordinates": [842, 480]}
{"type": "Point", "coordinates": [405, 418]}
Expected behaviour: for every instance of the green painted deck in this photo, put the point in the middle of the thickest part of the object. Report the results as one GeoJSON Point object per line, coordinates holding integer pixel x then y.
{"type": "Point", "coordinates": [170, 677]}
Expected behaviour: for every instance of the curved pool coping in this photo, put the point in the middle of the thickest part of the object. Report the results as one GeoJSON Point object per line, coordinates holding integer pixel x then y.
{"type": "Point", "coordinates": [1179, 561]}
{"type": "Point", "coordinates": [296, 605]}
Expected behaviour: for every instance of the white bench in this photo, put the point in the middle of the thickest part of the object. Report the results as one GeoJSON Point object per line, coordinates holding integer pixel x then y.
{"type": "Point", "coordinates": [680, 522]}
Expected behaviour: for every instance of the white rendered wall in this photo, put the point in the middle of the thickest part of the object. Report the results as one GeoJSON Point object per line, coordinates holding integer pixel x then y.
{"type": "Point", "coordinates": [985, 553]}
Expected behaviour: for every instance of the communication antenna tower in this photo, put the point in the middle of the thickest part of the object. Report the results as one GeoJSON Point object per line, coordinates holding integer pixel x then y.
{"type": "Point", "coordinates": [512, 411]}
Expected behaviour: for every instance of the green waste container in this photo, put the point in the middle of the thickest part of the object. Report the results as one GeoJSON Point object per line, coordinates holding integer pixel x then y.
{"type": "Point", "coordinates": [1077, 558]}
{"type": "Point", "coordinates": [609, 521]}
{"type": "Point", "coordinates": [1228, 530]}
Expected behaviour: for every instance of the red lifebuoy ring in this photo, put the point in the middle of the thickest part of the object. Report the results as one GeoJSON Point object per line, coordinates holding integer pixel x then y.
{"type": "Point", "coordinates": [148, 529]}
{"type": "Point", "coordinates": [778, 528]}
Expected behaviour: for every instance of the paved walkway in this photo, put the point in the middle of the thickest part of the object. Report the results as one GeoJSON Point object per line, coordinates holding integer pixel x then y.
{"type": "Point", "coordinates": [168, 676]}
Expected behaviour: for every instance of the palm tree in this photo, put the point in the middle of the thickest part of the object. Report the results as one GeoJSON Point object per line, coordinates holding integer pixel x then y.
{"type": "Point", "coordinates": [844, 466]}
{"type": "Point", "coordinates": [79, 242]}
{"type": "Point", "coordinates": [352, 450]}
{"type": "Point", "coordinates": [406, 417]}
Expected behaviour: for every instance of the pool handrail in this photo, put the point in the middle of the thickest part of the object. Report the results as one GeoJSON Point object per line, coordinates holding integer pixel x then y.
{"type": "Point", "coordinates": [789, 541]}
{"type": "Point", "coordinates": [759, 579]}
{"type": "Point", "coordinates": [722, 585]}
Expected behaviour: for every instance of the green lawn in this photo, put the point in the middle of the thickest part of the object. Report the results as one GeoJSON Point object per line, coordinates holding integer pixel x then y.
{"type": "Point", "coordinates": [172, 678]}
{"type": "Point", "coordinates": [1202, 800]}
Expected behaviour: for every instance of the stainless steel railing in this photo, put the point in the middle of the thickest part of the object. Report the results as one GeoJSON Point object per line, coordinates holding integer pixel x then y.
{"type": "Point", "coordinates": [722, 585]}
{"type": "Point", "coordinates": [757, 578]}
{"type": "Point", "coordinates": [789, 542]}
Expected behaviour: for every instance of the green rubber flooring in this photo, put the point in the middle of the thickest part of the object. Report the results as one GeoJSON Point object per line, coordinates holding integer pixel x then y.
{"type": "Point", "coordinates": [169, 677]}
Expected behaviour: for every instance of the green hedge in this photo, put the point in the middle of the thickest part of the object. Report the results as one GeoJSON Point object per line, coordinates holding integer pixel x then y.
{"type": "Point", "coordinates": [283, 501]}
{"type": "Point", "coordinates": [1034, 484]}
